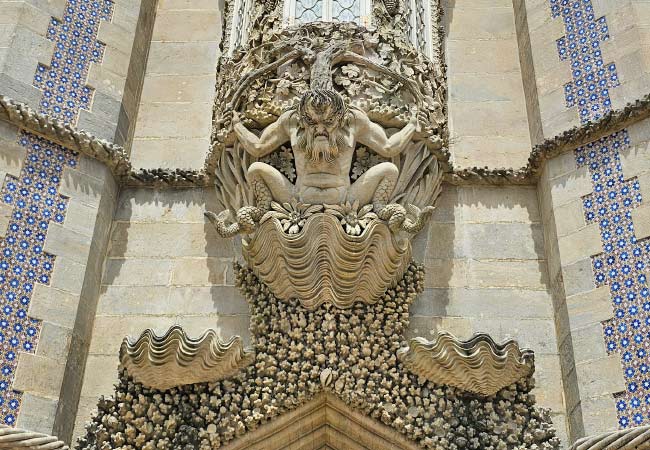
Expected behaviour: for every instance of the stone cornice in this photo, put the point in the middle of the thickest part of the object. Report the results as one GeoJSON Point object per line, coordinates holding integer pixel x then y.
{"type": "Point", "coordinates": [116, 159]}
{"type": "Point", "coordinates": [67, 136]}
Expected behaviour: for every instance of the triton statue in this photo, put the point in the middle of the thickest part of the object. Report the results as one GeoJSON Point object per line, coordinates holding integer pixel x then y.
{"type": "Point", "coordinates": [323, 133]}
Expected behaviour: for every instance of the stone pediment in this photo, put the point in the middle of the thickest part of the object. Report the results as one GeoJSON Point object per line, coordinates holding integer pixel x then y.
{"type": "Point", "coordinates": [324, 423]}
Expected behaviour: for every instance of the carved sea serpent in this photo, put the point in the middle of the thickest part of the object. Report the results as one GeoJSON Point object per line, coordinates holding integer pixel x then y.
{"type": "Point", "coordinates": [16, 438]}
{"type": "Point", "coordinates": [398, 218]}
{"type": "Point", "coordinates": [247, 219]}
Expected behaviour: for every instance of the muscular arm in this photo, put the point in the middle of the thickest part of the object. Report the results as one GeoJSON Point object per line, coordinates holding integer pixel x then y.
{"type": "Point", "coordinates": [374, 137]}
{"type": "Point", "coordinates": [272, 137]}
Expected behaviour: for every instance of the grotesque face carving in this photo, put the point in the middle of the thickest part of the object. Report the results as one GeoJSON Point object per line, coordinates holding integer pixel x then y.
{"type": "Point", "coordinates": [322, 115]}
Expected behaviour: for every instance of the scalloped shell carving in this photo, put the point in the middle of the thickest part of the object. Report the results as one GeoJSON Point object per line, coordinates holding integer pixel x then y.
{"type": "Point", "coordinates": [478, 365]}
{"type": "Point", "coordinates": [175, 359]}
{"type": "Point", "coordinates": [323, 264]}
{"type": "Point", "coordinates": [16, 438]}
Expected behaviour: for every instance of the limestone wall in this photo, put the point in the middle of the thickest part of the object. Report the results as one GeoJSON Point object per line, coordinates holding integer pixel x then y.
{"type": "Point", "coordinates": [487, 107]}
{"type": "Point", "coordinates": [165, 265]}
{"type": "Point", "coordinates": [484, 255]}
{"type": "Point", "coordinates": [175, 111]}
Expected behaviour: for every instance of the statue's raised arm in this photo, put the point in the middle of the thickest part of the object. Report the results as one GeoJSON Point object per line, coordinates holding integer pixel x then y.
{"type": "Point", "coordinates": [272, 137]}
{"type": "Point", "coordinates": [374, 137]}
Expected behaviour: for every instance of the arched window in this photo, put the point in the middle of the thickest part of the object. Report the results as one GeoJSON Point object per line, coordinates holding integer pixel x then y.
{"type": "Point", "coordinates": [305, 11]}
{"type": "Point", "coordinates": [419, 24]}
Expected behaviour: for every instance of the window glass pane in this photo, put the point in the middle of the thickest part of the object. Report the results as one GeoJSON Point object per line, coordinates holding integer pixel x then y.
{"type": "Point", "coordinates": [309, 10]}
{"type": "Point", "coordinates": [346, 10]}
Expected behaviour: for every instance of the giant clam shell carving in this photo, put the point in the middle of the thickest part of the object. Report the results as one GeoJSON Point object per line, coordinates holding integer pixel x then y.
{"type": "Point", "coordinates": [175, 359]}
{"type": "Point", "coordinates": [478, 365]}
{"type": "Point", "coordinates": [323, 264]}
{"type": "Point", "coordinates": [16, 438]}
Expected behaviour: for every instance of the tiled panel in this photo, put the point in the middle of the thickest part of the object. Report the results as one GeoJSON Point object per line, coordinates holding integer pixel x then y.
{"type": "Point", "coordinates": [34, 195]}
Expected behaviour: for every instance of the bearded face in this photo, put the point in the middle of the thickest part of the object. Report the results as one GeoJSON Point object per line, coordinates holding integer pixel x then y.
{"type": "Point", "coordinates": [322, 115]}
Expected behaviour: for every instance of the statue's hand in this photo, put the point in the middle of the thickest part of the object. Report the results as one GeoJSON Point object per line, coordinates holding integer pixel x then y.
{"type": "Point", "coordinates": [230, 118]}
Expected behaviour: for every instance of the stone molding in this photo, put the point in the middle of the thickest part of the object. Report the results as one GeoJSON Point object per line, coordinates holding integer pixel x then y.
{"type": "Point", "coordinates": [16, 438]}
{"type": "Point", "coordinates": [631, 439]}
{"type": "Point", "coordinates": [115, 157]}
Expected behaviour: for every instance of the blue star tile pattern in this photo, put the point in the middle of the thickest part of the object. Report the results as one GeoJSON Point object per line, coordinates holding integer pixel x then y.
{"type": "Point", "coordinates": [34, 196]}
{"type": "Point", "coordinates": [592, 77]}
{"type": "Point", "coordinates": [75, 38]}
{"type": "Point", "coordinates": [621, 267]}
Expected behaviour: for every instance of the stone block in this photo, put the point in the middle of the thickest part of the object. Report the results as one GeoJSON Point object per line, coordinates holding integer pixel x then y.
{"type": "Point", "coordinates": [168, 240]}
{"type": "Point", "coordinates": [68, 275]}
{"type": "Point", "coordinates": [29, 375]}
{"type": "Point", "coordinates": [536, 334]}
{"type": "Point", "coordinates": [480, 303]}
{"type": "Point", "coordinates": [599, 415]}
{"type": "Point", "coordinates": [600, 377]}
{"type": "Point", "coordinates": [5, 214]}
{"type": "Point", "coordinates": [476, 56]}
{"type": "Point", "coordinates": [482, 204]}
{"type": "Point", "coordinates": [563, 164]}
{"type": "Point", "coordinates": [444, 241]}
{"type": "Point", "coordinates": [569, 218]}
{"type": "Point", "coordinates": [178, 151]}
{"type": "Point", "coordinates": [81, 218]}
{"type": "Point", "coordinates": [109, 331]}
{"type": "Point", "coordinates": [135, 300]}
{"type": "Point", "coordinates": [488, 119]}
{"type": "Point", "coordinates": [106, 81]}
{"type": "Point", "coordinates": [202, 272]}
{"type": "Point", "coordinates": [490, 151]}
{"type": "Point", "coordinates": [499, 24]}
{"type": "Point", "coordinates": [12, 154]}
{"type": "Point", "coordinates": [148, 205]}
{"type": "Point", "coordinates": [515, 274]}
{"type": "Point", "coordinates": [580, 244]}
{"type": "Point", "coordinates": [67, 243]}
{"type": "Point", "coordinates": [428, 327]}
{"type": "Point", "coordinates": [115, 35]}
{"type": "Point", "coordinates": [639, 133]}
{"type": "Point", "coordinates": [578, 277]}
{"type": "Point", "coordinates": [54, 305]}
{"type": "Point", "coordinates": [37, 413]}
{"type": "Point", "coordinates": [171, 25]}
{"type": "Point", "coordinates": [502, 241]}
{"type": "Point", "coordinates": [99, 376]}
{"type": "Point", "coordinates": [641, 220]}
{"type": "Point", "coordinates": [137, 272]}
{"type": "Point", "coordinates": [588, 308]}
{"type": "Point", "coordinates": [182, 58]}
{"type": "Point", "coordinates": [547, 374]}
{"type": "Point", "coordinates": [54, 342]}
{"type": "Point", "coordinates": [81, 187]}
{"type": "Point", "coordinates": [482, 87]}
{"type": "Point", "coordinates": [588, 343]}
{"type": "Point", "coordinates": [177, 88]}
{"type": "Point", "coordinates": [443, 273]}
{"type": "Point", "coordinates": [570, 187]}
{"type": "Point", "coordinates": [174, 120]}
{"type": "Point", "coordinates": [223, 300]}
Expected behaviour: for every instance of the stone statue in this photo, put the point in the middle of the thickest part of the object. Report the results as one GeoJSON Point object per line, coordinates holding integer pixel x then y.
{"type": "Point", "coordinates": [323, 133]}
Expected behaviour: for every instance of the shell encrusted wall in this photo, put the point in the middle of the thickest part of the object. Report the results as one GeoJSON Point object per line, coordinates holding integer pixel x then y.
{"type": "Point", "coordinates": [348, 353]}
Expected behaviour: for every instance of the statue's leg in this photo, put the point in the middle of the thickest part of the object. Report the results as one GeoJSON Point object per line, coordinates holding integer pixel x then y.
{"type": "Point", "coordinates": [375, 186]}
{"type": "Point", "coordinates": [268, 184]}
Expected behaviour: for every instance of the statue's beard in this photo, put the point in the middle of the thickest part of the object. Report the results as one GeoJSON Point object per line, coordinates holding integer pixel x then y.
{"type": "Point", "coordinates": [318, 149]}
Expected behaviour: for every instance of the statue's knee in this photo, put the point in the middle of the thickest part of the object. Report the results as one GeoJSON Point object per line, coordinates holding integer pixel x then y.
{"type": "Point", "coordinates": [388, 170]}
{"type": "Point", "coordinates": [259, 169]}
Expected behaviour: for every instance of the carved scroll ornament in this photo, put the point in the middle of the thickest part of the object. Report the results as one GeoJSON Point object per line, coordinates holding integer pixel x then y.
{"type": "Point", "coordinates": [175, 359]}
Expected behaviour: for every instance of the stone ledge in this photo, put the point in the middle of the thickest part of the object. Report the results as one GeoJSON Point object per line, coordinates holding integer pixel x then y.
{"type": "Point", "coordinates": [116, 159]}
